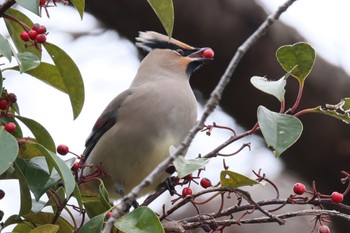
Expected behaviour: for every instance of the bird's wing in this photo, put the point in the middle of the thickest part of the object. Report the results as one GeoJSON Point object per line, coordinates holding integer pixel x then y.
{"type": "Point", "coordinates": [108, 118]}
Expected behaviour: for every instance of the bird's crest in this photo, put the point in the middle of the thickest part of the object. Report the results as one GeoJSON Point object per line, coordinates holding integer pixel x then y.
{"type": "Point", "coordinates": [152, 40]}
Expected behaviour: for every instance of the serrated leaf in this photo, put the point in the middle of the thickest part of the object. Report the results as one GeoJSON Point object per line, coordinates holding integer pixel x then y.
{"type": "Point", "coordinates": [298, 59]}
{"type": "Point", "coordinates": [70, 75]}
{"type": "Point", "coordinates": [15, 30]}
{"type": "Point", "coordinates": [340, 111]}
{"type": "Point", "coordinates": [31, 5]}
{"type": "Point", "coordinates": [5, 49]}
{"type": "Point", "coordinates": [280, 131]}
{"type": "Point", "coordinates": [94, 225]}
{"type": "Point", "coordinates": [164, 9]}
{"type": "Point", "coordinates": [47, 228]}
{"type": "Point", "coordinates": [274, 88]}
{"type": "Point", "coordinates": [185, 167]}
{"type": "Point", "coordinates": [8, 150]}
{"type": "Point", "coordinates": [40, 133]}
{"type": "Point", "coordinates": [80, 6]}
{"type": "Point", "coordinates": [140, 220]}
{"type": "Point", "coordinates": [234, 180]}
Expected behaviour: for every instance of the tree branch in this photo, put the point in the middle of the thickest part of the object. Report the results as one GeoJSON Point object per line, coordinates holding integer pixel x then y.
{"type": "Point", "coordinates": [4, 7]}
{"type": "Point", "coordinates": [210, 106]}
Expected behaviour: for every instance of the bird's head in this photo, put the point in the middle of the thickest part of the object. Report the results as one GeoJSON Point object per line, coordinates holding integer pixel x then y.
{"type": "Point", "coordinates": [165, 51]}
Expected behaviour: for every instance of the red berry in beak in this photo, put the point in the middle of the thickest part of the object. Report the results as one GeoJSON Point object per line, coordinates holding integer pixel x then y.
{"type": "Point", "coordinates": [208, 53]}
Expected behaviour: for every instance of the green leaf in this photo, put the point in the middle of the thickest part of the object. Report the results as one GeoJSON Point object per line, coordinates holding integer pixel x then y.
{"type": "Point", "coordinates": [63, 170]}
{"type": "Point", "coordinates": [185, 167]}
{"type": "Point", "coordinates": [140, 220]}
{"type": "Point", "coordinates": [1, 79]}
{"type": "Point", "coordinates": [26, 61]}
{"type": "Point", "coordinates": [274, 88]}
{"type": "Point", "coordinates": [15, 30]}
{"type": "Point", "coordinates": [40, 133]}
{"type": "Point", "coordinates": [164, 9]}
{"type": "Point", "coordinates": [280, 131]}
{"type": "Point", "coordinates": [39, 178]}
{"type": "Point", "coordinates": [22, 228]}
{"type": "Point", "coordinates": [45, 218]}
{"type": "Point", "coordinates": [234, 180]}
{"type": "Point", "coordinates": [47, 228]}
{"type": "Point", "coordinates": [31, 5]}
{"type": "Point", "coordinates": [8, 150]}
{"type": "Point", "coordinates": [340, 111]}
{"type": "Point", "coordinates": [70, 75]}
{"type": "Point", "coordinates": [26, 199]}
{"type": "Point", "coordinates": [80, 6]}
{"type": "Point", "coordinates": [94, 225]}
{"type": "Point", "coordinates": [298, 59]}
{"type": "Point", "coordinates": [5, 49]}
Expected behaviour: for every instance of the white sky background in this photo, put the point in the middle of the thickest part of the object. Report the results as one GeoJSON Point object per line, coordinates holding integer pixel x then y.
{"type": "Point", "coordinates": [108, 63]}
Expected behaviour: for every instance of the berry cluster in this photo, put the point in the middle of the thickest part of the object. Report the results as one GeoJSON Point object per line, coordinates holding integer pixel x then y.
{"type": "Point", "coordinates": [36, 35]}
{"type": "Point", "coordinates": [6, 101]}
{"type": "Point", "coordinates": [2, 195]}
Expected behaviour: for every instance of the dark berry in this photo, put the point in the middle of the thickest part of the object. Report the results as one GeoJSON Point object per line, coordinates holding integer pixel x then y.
{"type": "Point", "coordinates": [299, 188]}
{"type": "Point", "coordinates": [32, 34]}
{"type": "Point", "coordinates": [42, 2]}
{"type": "Point", "coordinates": [205, 183]}
{"type": "Point", "coordinates": [2, 194]}
{"type": "Point", "coordinates": [324, 229]}
{"type": "Point", "coordinates": [40, 38]}
{"type": "Point", "coordinates": [10, 127]}
{"type": "Point", "coordinates": [4, 104]}
{"type": "Point", "coordinates": [12, 97]}
{"type": "Point", "coordinates": [36, 27]}
{"type": "Point", "coordinates": [1, 215]}
{"type": "Point", "coordinates": [170, 169]}
{"type": "Point", "coordinates": [24, 36]}
{"type": "Point", "coordinates": [62, 149]}
{"type": "Point", "coordinates": [41, 29]}
{"type": "Point", "coordinates": [337, 197]}
{"type": "Point", "coordinates": [187, 191]}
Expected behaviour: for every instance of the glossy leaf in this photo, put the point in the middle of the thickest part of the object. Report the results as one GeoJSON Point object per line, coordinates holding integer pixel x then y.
{"type": "Point", "coordinates": [280, 131]}
{"type": "Point", "coordinates": [70, 75]}
{"type": "Point", "coordinates": [140, 220]}
{"type": "Point", "coordinates": [40, 133]}
{"type": "Point", "coordinates": [340, 111]}
{"type": "Point", "coordinates": [298, 59]}
{"type": "Point", "coordinates": [164, 9]}
{"type": "Point", "coordinates": [47, 228]}
{"type": "Point", "coordinates": [5, 49]}
{"type": "Point", "coordinates": [15, 30]}
{"type": "Point", "coordinates": [235, 180]}
{"type": "Point", "coordinates": [8, 150]}
{"type": "Point", "coordinates": [39, 178]}
{"type": "Point", "coordinates": [274, 88]}
{"type": "Point", "coordinates": [27, 61]}
{"type": "Point", "coordinates": [26, 200]}
{"type": "Point", "coordinates": [31, 5]}
{"type": "Point", "coordinates": [80, 6]}
{"type": "Point", "coordinates": [94, 225]}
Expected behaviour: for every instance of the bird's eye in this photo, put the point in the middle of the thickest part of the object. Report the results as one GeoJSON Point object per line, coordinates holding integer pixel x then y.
{"type": "Point", "coordinates": [180, 52]}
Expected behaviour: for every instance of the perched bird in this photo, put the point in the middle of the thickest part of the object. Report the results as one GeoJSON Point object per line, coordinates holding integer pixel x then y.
{"type": "Point", "coordinates": [134, 132]}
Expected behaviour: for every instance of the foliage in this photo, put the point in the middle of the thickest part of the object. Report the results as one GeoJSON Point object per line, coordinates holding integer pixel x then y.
{"type": "Point", "coordinates": [53, 182]}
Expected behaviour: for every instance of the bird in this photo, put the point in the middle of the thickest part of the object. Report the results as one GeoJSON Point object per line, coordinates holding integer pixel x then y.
{"type": "Point", "coordinates": [135, 131]}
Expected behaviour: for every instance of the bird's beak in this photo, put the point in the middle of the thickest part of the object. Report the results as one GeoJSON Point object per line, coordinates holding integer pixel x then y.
{"type": "Point", "coordinates": [202, 54]}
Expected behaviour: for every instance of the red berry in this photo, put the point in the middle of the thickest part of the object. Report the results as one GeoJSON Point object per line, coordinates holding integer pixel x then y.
{"type": "Point", "coordinates": [337, 197]}
{"type": "Point", "coordinates": [76, 166]}
{"type": "Point", "coordinates": [32, 34]}
{"type": "Point", "coordinates": [12, 97]}
{"type": "Point", "coordinates": [62, 149]}
{"type": "Point", "coordinates": [41, 29]}
{"type": "Point", "coordinates": [36, 27]}
{"type": "Point", "coordinates": [2, 194]}
{"type": "Point", "coordinates": [109, 214]}
{"type": "Point", "coordinates": [208, 53]}
{"type": "Point", "coordinates": [10, 127]}
{"type": "Point", "coordinates": [24, 36]}
{"type": "Point", "coordinates": [42, 2]}
{"type": "Point", "coordinates": [299, 188]}
{"type": "Point", "coordinates": [4, 104]}
{"type": "Point", "coordinates": [324, 229]}
{"type": "Point", "coordinates": [186, 191]}
{"type": "Point", "coordinates": [205, 183]}
{"type": "Point", "coordinates": [40, 38]}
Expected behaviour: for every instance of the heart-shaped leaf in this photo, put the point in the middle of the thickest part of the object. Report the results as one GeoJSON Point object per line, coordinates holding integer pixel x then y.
{"type": "Point", "coordinates": [298, 59]}
{"type": "Point", "coordinates": [275, 88]}
{"type": "Point", "coordinates": [280, 131]}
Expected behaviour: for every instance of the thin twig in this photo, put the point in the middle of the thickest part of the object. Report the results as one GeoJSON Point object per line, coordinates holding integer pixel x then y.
{"type": "Point", "coordinates": [210, 106]}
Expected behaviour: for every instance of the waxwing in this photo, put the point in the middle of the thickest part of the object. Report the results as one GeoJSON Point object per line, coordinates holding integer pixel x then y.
{"type": "Point", "coordinates": [134, 132]}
